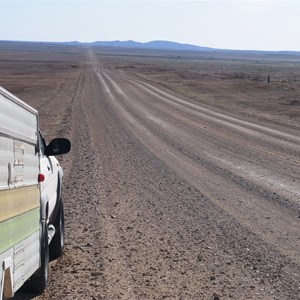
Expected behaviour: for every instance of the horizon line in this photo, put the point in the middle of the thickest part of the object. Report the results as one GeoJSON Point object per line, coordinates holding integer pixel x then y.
{"type": "Point", "coordinates": [167, 41]}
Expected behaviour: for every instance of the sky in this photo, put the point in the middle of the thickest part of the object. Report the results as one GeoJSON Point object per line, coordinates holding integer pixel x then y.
{"type": "Point", "coordinates": [244, 25]}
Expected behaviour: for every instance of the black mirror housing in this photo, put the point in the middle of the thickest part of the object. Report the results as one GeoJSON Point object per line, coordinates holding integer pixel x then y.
{"type": "Point", "coordinates": [58, 146]}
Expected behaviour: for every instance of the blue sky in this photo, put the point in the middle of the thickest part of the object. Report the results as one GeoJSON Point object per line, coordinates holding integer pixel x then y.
{"type": "Point", "coordinates": [259, 25]}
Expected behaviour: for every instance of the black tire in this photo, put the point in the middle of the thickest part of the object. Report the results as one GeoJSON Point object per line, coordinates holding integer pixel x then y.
{"type": "Point", "coordinates": [57, 244]}
{"type": "Point", "coordinates": [38, 282]}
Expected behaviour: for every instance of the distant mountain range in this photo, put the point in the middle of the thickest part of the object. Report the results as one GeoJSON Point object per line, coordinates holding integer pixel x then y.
{"type": "Point", "coordinates": [159, 45]}
{"type": "Point", "coordinates": [167, 45]}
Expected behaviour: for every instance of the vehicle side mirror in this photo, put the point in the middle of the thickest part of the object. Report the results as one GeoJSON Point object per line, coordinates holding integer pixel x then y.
{"type": "Point", "coordinates": [58, 146]}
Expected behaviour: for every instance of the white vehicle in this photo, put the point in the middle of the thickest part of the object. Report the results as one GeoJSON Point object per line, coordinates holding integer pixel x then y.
{"type": "Point", "coordinates": [31, 209]}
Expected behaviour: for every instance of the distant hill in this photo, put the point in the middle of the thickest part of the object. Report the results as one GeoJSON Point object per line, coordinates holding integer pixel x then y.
{"type": "Point", "coordinates": [156, 45]}
{"type": "Point", "coordinates": [159, 45]}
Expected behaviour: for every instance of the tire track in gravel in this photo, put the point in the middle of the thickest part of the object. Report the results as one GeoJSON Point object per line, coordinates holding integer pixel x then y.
{"type": "Point", "coordinates": [89, 245]}
{"type": "Point", "coordinates": [77, 272]}
{"type": "Point", "coordinates": [191, 126]}
{"type": "Point", "coordinates": [144, 219]}
{"type": "Point", "coordinates": [271, 212]}
{"type": "Point", "coordinates": [153, 145]}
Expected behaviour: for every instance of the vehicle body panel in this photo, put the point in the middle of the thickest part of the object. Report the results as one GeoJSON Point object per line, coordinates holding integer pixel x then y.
{"type": "Point", "coordinates": [25, 203]}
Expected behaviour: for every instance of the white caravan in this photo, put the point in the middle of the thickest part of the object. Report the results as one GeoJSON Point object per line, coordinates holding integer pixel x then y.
{"type": "Point", "coordinates": [31, 209]}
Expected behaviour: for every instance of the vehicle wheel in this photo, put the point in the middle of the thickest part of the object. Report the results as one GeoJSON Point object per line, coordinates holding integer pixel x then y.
{"type": "Point", "coordinates": [39, 280]}
{"type": "Point", "coordinates": [57, 243]}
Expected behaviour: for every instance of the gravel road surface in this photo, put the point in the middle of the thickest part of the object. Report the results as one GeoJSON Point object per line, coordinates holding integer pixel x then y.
{"type": "Point", "coordinates": [167, 198]}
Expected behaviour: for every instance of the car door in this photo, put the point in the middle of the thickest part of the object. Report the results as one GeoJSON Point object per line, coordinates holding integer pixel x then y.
{"type": "Point", "coordinates": [49, 168]}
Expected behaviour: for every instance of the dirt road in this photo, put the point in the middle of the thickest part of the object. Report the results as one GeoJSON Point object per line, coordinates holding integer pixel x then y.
{"type": "Point", "coordinates": [167, 198]}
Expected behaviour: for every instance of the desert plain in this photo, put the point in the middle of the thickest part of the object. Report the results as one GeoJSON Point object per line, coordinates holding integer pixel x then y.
{"type": "Point", "coordinates": [184, 177]}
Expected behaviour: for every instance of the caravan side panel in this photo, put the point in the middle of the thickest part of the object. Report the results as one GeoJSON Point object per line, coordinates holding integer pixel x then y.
{"type": "Point", "coordinates": [17, 119]}
{"type": "Point", "coordinates": [19, 192]}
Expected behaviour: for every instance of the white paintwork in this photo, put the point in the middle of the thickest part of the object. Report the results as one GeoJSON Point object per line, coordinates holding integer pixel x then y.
{"type": "Point", "coordinates": [19, 164]}
{"type": "Point", "coordinates": [17, 119]}
{"type": "Point", "coordinates": [49, 167]}
{"type": "Point", "coordinates": [21, 160]}
{"type": "Point", "coordinates": [24, 259]}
